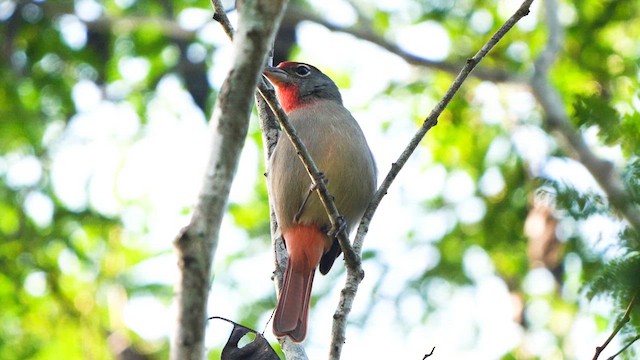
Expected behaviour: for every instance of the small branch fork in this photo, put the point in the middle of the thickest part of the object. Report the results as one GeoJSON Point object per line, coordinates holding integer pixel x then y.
{"type": "Point", "coordinates": [625, 319]}
{"type": "Point", "coordinates": [220, 15]}
{"type": "Point", "coordinates": [624, 348]}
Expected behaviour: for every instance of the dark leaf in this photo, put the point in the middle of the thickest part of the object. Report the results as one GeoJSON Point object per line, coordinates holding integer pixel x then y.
{"type": "Point", "coordinates": [258, 349]}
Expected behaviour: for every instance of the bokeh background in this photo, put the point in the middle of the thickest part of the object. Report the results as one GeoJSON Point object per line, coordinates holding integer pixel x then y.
{"type": "Point", "coordinates": [493, 242]}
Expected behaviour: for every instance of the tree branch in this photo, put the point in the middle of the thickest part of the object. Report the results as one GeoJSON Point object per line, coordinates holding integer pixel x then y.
{"type": "Point", "coordinates": [296, 14]}
{"type": "Point", "coordinates": [624, 348]}
{"type": "Point", "coordinates": [556, 118]}
{"type": "Point", "coordinates": [625, 319]}
{"type": "Point", "coordinates": [348, 293]}
{"type": "Point", "coordinates": [270, 135]}
{"type": "Point", "coordinates": [197, 242]}
{"type": "Point", "coordinates": [220, 15]}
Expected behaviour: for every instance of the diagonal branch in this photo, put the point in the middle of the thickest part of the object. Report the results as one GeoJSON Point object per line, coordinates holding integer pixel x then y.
{"type": "Point", "coordinates": [625, 319]}
{"type": "Point", "coordinates": [296, 14]}
{"type": "Point", "coordinates": [348, 293]}
{"type": "Point", "coordinates": [220, 15]}
{"type": "Point", "coordinates": [625, 347]}
{"type": "Point", "coordinates": [196, 244]}
{"type": "Point", "coordinates": [432, 119]}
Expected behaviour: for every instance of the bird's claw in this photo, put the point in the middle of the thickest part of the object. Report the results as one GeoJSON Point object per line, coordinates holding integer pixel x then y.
{"type": "Point", "coordinates": [314, 186]}
{"type": "Point", "coordinates": [341, 225]}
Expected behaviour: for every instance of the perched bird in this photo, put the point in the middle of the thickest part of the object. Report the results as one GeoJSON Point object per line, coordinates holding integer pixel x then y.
{"type": "Point", "coordinates": [336, 143]}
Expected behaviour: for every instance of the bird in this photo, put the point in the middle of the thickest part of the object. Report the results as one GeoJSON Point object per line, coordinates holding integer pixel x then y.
{"type": "Point", "coordinates": [336, 143]}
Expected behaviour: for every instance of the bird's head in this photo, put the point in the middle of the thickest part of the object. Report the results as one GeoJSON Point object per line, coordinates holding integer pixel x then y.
{"type": "Point", "coordinates": [299, 84]}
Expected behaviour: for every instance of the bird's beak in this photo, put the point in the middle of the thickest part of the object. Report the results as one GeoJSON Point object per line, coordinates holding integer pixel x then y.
{"type": "Point", "coordinates": [276, 75]}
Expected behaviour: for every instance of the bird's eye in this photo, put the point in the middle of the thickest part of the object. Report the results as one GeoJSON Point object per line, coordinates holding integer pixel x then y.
{"type": "Point", "coordinates": [303, 70]}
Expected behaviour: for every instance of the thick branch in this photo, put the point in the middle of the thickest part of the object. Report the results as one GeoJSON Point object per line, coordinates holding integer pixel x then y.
{"type": "Point", "coordinates": [270, 134]}
{"type": "Point", "coordinates": [556, 118]}
{"type": "Point", "coordinates": [196, 244]}
{"type": "Point", "coordinates": [353, 279]}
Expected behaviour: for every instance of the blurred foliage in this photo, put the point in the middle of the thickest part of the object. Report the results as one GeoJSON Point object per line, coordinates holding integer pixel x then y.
{"type": "Point", "coordinates": [65, 270]}
{"type": "Point", "coordinates": [65, 267]}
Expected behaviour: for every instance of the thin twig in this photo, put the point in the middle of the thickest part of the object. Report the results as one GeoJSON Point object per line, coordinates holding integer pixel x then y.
{"type": "Point", "coordinates": [220, 15]}
{"type": "Point", "coordinates": [353, 279]}
{"type": "Point", "coordinates": [625, 319]}
{"type": "Point", "coordinates": [624, 348]}
{"type": "Point", "coordinates": [429, 354]}
{"type": "Point", "coordinates": [234, 323]}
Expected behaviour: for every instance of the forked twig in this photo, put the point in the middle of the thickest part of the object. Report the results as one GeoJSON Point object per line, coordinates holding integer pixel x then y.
{"type": "Point", "coordinates": [625, 319]}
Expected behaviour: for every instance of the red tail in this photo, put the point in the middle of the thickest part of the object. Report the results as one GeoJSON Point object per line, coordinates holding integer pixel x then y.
{"type": "Point", "coordinates": [305, 245]}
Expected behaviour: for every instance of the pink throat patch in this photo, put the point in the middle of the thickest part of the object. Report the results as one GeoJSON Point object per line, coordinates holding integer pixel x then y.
{"type": "Point", "coordinates": [288, 96]}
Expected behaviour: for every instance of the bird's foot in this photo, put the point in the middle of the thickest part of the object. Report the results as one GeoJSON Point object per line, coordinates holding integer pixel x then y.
{"type": "Point", "coordinates": [314, 186]}
{"type": "Point", "coordinates": [341, 225]}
